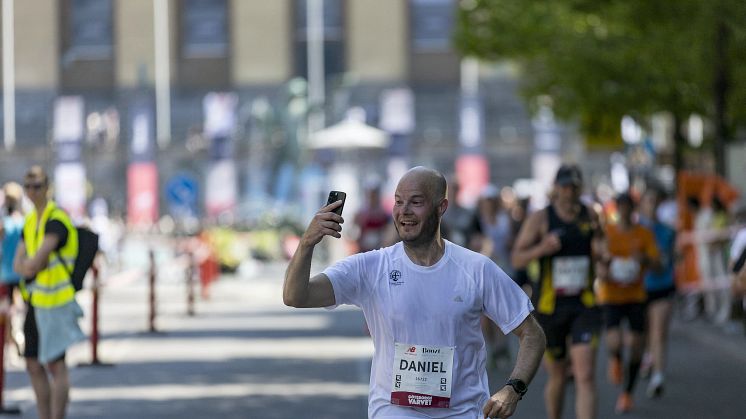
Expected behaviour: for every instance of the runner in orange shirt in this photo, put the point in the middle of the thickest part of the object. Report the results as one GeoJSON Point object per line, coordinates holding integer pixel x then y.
{"type": "Point", "coordinates": [621, 293]}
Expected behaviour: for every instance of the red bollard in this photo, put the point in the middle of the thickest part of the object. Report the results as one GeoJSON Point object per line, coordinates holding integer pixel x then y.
{"type": "Point", "coordinates": [95, 362]}
{"type": "Point", "coordinates": [94, 316]}
{"type": "Point", "coordinates": [190, 271]}
{"type": "Point", "coordinates": [151, 317]}
{"type": "Point", "coordinates": [4, 318]}
{"type": "Point", "coordinates": [209, 271]}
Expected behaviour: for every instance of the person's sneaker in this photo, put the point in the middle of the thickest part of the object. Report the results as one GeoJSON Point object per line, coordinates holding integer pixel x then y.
{"type": "Point", "coordinates": [655, 386]}
{"type": "Point", "coordinates": [624, 403]}
{"type": "Point", "coordinates": [614, 373]}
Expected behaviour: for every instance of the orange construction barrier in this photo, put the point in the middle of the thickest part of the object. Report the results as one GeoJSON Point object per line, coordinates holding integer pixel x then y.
{"type": "Point", "coordinates": [705, 187]}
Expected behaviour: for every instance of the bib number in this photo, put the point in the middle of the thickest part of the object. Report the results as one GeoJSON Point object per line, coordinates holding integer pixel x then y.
{"type": "Point", "coordinates": [422, 375]}
{"type": "Point", "coordinates": [624, 271]}
{"type": "Point", "coordinates": [570, 274]}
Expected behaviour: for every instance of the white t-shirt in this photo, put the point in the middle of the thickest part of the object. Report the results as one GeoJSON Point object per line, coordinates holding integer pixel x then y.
{"type": "Point", "coordinates": [439, 305]}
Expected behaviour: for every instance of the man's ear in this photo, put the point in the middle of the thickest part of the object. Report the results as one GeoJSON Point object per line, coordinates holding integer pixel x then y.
{"type": "Point", "coordinates": [443, 206]}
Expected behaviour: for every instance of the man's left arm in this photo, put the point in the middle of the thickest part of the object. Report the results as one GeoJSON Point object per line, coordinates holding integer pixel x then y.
{"type": "Point", "coordinates": [532, 344]}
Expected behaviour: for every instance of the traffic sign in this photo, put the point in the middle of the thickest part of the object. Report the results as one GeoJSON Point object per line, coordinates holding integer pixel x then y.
{"type": "Point", "coordinates": [182, 194]}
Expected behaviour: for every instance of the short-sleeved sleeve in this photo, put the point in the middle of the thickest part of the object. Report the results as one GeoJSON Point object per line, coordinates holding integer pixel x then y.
{"type": "Point", "coordinates": [348, 279]}
{"type": "Point", "coordinates": [57, 228]}
{"type": "Point", "coordinates": [504, 301]}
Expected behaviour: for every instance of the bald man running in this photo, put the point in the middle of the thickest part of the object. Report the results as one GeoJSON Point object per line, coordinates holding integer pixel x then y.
{"type": "Point", "coordinates": [423, 299]}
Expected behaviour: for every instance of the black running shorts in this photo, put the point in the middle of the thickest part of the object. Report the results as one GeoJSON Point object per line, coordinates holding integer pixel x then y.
{"type": "Point", "coordinates": [570, 319]}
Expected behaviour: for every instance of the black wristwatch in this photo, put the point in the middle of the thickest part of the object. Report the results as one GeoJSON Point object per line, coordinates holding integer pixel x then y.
{"type": "Point", "coordinates": [518, 385]}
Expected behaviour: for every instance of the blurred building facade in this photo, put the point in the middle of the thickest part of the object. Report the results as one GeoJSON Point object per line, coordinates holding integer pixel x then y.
{"type": "Point", "coordinates": [105, 51]}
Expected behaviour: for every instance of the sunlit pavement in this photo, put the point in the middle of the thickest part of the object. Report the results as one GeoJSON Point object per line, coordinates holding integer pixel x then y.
{"type": "Point", "coordinates": [243, 355]}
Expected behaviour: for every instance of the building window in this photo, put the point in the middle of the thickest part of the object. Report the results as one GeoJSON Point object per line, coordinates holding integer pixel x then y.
{"type": "Point", "coordinates": [86, 45]}
{"type": "Point", "coordinates": [431, 24]}
{"type": "Point", "coordinates": [90, 33]}
{"type": "Point", "coordinates": [204, 44]}
{"type": "Point", "coordinates": [334, 56]}
{"type": "Point", "coordinates": [204, 29]}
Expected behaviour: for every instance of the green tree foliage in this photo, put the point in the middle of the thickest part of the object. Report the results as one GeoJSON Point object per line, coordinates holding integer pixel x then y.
{"type": "Point", "coordinates": [601, 59]}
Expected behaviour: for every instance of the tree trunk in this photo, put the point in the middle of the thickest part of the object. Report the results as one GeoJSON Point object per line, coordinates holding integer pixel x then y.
{"type": "Point", "coordinates": [679, 143]}
{"type": "Point", "coordinates": [721, 86]}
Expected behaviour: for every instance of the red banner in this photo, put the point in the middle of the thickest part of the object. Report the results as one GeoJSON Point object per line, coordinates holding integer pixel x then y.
{"type": "Point", "coordinates": [473, 173]}
{"type": "Point", "coordinates": [142, 194]}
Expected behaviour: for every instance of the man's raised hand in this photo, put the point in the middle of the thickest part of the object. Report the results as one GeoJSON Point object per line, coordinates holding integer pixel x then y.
{"type": "Point", "coordinates": [324, 223]}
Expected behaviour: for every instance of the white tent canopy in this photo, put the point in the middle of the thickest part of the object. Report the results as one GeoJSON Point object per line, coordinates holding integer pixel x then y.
{"type": "Point", "coordinates": [349, 134]}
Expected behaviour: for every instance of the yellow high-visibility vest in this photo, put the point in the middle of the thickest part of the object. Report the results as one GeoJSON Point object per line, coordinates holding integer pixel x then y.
{"type": "Point", "coordinates": [52, 286]}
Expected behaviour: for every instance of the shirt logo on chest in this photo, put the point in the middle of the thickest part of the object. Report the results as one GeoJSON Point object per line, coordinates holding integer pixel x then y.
{"type": "Point", "coordinates": [395, 277]}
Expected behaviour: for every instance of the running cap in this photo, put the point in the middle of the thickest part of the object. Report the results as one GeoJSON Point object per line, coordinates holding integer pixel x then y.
{"type": "Point", "coordinates": [569, 174]}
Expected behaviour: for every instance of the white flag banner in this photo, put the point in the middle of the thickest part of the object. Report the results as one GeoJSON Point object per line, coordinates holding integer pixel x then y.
{"type": "Point", "coordinates": [221, 188]}
{"type": "Point", "coordinates": [70, 189]}
{"type": "Point", "coordinates": [68, 119]}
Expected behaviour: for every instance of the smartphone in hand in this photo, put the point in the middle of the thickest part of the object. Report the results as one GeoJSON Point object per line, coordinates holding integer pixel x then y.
{"type": "Point", "coordinates": [335, 196]}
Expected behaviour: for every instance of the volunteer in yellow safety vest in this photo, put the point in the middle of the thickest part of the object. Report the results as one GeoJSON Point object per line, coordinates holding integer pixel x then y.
{"type": "Point", "coordinates": [45, 261]}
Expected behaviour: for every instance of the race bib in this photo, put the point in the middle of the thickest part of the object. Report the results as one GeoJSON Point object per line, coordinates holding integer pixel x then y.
{"type": "Point", "coordinates": [570, 274]}
{"type": "Point", "coordinates": [422, 375]}
{"type": "Point", "coordinates": [624, 271]}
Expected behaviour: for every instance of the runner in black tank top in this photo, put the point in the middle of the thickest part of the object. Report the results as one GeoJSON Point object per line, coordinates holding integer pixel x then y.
{"type": "Point", "coordinates": [561, 238]}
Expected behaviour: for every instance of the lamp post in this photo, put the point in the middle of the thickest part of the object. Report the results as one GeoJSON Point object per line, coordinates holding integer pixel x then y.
{"type": "Point", "coordinates": [315, 53]}
{"type": "Point", "coordinates": [162, 72]}
{"type": "Point", "coordinates": [9, 79]}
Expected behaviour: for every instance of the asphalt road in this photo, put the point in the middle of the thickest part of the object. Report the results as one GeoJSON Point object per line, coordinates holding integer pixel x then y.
{"type": "Point", "coordinates": [245, 355]}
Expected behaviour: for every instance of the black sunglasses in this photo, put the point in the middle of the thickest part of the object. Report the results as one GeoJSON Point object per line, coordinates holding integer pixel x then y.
{"type": "Point", "coordinates": [35, 186]}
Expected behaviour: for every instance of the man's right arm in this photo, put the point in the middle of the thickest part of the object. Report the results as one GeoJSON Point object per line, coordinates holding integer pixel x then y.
{"type": "Point", "coordinates": [299, 290]}
{"type": "Point", "coordinates": [28, 266]}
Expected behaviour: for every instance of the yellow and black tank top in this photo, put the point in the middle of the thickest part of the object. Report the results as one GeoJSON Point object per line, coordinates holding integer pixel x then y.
{"type": "Point", "coordinates": [567, 273]}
